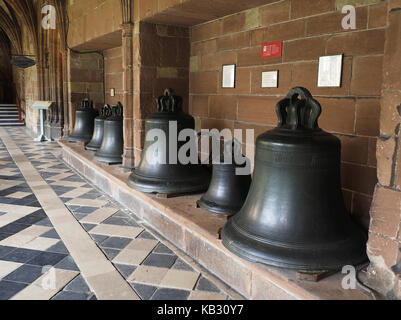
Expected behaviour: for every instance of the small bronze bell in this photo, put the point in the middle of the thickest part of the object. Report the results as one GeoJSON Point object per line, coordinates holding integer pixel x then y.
{"type": "Point", "coordinates": [229, 187]}
{"type": "Point", "coordinates": [112, 147]}
{"type": "Point", "coordinates": [168, 178]}
{"type": "Point", "coordinates": [97, 138]}
{"type": "Point", "coordinates": [84, 123]}
{"type": "Point", "coordinates": [294, 216]}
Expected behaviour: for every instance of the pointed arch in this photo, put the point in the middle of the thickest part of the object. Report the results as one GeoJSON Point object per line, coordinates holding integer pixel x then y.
{"type": "Point", "coordinates": [12, 29]}
{"type": "Point", "coordinates": [26, 11]}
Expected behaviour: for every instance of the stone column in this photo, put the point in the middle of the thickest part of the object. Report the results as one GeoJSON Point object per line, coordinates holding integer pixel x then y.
{"type": "Point", "coordinates": [71, 99]}
{"type": "Point", "coordinates": [66, 121]}
{"type": "Point", "coordinates": [128, 92]}
{"type": "Point", "coordinates": [384, 247]}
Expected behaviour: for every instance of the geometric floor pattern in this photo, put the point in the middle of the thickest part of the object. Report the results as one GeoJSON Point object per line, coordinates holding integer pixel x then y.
{"type": "Point", "coordinates": [31, 251]}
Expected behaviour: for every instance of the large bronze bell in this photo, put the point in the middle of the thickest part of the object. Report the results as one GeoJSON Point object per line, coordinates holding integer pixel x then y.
{"type": "Point", "coordinates": [84, 123]}
{"type": "Point", "coordinates": [294, 216]}
{"type": "Point", "coordinates": [169, 177]}
{"type": "Point", "coordinates": [112, 147]}
{"type": "Point", "coordinates": [229, 187]}
{"type": "Point", "coordinates": [98, 132]}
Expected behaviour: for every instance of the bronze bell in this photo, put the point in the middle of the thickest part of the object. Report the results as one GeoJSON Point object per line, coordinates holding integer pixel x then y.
{"type": "Point", "coordinates": [112, 147]}
{"type": "Point", "coordinates": [169, 177]}
{"type": "Point", "coordinates": [84, 123]}
{"type": "Point", "coordinates": [229, 187]}
{"type": "Point", "coordinates": [97, 138]}
{"type": "Point", "coordinates": [294, 216]}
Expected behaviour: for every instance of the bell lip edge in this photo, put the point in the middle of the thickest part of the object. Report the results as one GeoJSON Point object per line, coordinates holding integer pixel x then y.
{"type": "Point", "coordinates": [141, 187]}
{"type": "Point", "coordinates": [106, 159]}
{"type": "Point", "coordinates": [92, 148]}
{"type": "Point", "coordinates": [216, 210]}
{"type": "Point", "coordinates": [73, 137]}
{"type": "Point", "coordinates": [77, 139]}
{"type": "Point", "coordinates": [243, 253]}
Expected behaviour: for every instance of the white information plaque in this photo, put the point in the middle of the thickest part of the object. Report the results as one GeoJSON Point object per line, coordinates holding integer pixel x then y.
{"type": "Point", "coordinates": [330, 70]}
{"type": "Point", "coordinates": [270, 79]}
{"type": "Point", "coordinates": [229, 76]}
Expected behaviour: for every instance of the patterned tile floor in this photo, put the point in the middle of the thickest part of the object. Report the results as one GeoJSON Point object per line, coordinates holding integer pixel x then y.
{"type": "Point", "coordinates": [32, 253]}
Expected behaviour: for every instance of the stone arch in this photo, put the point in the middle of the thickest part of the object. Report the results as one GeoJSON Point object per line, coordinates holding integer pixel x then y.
{"type": "Point", "coordinates": [26, 10]}
{"type": "Point", "coordinates": [10, 26]}
{"type": "Point", "coordinates": [6, 77]}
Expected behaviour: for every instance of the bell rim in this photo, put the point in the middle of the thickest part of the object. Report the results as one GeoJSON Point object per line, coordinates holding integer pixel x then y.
{"type": "Point", "coordinates": [216, 208]}
{"type": "Point", "coordinates": [158, 185]}
{"type": "Point", "coordinates": [92, 147]}
{"type": "Point", "coordinates": [108, 158]}
{"type": "Point", "coordinates": [246, 251]}
{"type": "Point", "coordinates": [78, 139]}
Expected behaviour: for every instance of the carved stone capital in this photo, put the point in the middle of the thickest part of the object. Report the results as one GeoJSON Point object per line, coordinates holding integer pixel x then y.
{"type": "Point", "coordinates": [128, 30]}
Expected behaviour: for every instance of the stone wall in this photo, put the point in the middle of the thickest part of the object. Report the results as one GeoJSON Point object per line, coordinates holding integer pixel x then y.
{"type": "Point", "coordinates": [113, 75]}
{"type": "Point", "coordinates": [85, 80]}
{"type": "Point", "coordinates": [384, 247]}
{"type": "Point", "coordinates": [162, 61]}
{"type": "Point", "coordinates": [91, 19]}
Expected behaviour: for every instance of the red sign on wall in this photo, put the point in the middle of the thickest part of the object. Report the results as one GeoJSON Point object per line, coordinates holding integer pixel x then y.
{"type": "Point", "coordinates": [272, 49]}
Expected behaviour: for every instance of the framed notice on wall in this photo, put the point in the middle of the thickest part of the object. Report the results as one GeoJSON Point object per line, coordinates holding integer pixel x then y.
{"type": "Point", "coordinates": [228, 77]}
{"type": "Point", "coordinates": [272, 49]}
{"type": "Point", "coordinates": [270, 79]}
{"type": "Point", "coordinates": [330, 71]}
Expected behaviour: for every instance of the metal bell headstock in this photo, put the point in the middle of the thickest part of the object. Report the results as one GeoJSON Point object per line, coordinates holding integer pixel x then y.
{"type": "Point", "coordinates": [106, 111]}
{"type": "Point", "coordinates": [169, 102]}
{"type": "Point", "coordinates": [117, 111]}
{"type": "Point", "coordinates": [87, 104]}
{"type": "Point", "coordinates": [299, 111]}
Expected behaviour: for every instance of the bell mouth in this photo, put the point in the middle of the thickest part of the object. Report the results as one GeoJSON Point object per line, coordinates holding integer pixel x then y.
{"type": "Point", "coordinates": [191, 185]}
{"type": "Point", "coordinates": [218, 208]}
{"type": "Point", "coordinates": [311, 258]}
{"type": "Point", "coordinates": [108, 158]}
{"type": "Point", "coordinates": [93, 147]}
{"type": "Point", "coordinates": [73, 138]}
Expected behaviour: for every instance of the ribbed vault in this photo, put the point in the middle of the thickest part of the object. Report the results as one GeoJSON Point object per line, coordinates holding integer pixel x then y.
{"type": "Point", "coordinates": [10, 26]}
{"type": "Point", "coordinates": [28, 14]}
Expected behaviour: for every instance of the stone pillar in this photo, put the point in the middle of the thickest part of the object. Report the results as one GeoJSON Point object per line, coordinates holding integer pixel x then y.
{"type": "Point", "coordinates": [128, 92]}
{"type": "Point", "coordinates": [84, 80]}
{"type": "Point", "coordinates": [139, 124]}
{"type": "Point", "coordinates": [161, 61]}
{"type": "Point", "coordinates": [384, 247]}
{"type": "Point", "coordinates": [66, 121]}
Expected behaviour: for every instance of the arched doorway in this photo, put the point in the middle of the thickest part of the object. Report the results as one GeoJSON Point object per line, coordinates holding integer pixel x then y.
{"type": "Point", "coordinates": [6, 75]}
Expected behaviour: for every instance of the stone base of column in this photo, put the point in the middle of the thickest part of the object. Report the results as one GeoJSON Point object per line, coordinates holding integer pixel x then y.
{"type": "Point", "coordinates": [128, 159]}
{"type": "Point", "coordinates": [54, 131]}
{"type": "Point", "coordinates": [66, 131]}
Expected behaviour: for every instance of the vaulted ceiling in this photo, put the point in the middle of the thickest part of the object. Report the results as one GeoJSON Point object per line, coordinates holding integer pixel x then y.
{"type": "Point", "coordinates": [10, 26]}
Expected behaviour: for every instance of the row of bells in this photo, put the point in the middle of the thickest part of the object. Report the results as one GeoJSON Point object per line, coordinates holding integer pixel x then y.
{"type": "Point", "coordinates": [292, 213]}
{"type": "Point", "coordinates": [102, 133]}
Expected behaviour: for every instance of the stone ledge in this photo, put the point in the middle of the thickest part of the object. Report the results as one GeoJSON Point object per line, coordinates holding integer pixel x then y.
{"type": "Point", "coordinates": [195, 231]}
